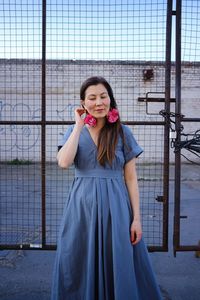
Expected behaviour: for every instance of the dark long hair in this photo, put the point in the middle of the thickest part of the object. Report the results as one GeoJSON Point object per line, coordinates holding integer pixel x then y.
{"type": "Point", "coordinates": [109, 133]}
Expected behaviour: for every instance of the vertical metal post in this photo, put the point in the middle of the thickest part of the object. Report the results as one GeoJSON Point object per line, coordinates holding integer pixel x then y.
{"type": "Point", "coordinates": [43, 126]}
{"type": "Point", "coordinates": [166, 128]}
{"type": "Point", "coordinates": [177, 189]}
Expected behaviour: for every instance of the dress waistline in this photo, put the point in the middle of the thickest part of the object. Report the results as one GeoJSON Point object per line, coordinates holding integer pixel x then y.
{"type": "Point", "coordinates": [98, 173]}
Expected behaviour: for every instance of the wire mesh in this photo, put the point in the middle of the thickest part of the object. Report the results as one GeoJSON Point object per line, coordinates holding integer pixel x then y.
{"type": "Point", "coordinates": [119, 40]}
{"type": "Point", "coordinates": [124, 30]}
{"type": "Point", "coordinates": [189, 206]}
{"type": "Point", "coordinates": [190, 64]}
{"type": "Point", "coordinates": [190, 48]}
{"type": "Point", "coordinates": [150, 178]}
{"type": "Point", "coordinates": [189, 189]}
{"type": "Point", "coordinates": [190, 31]}
{"type": "Point", "coordinates": [20, 188]}
{"type": "Point", "coordinates": [58, 184]}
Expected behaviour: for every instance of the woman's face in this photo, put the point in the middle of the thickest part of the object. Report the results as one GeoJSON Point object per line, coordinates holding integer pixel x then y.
{"type": "Point", "coordinates": [97, 101]}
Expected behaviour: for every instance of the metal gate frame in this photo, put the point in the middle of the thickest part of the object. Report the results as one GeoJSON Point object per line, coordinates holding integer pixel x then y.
{"type": "Point", "coordinates": [179, 118]}
{"type": "Point", "coordinates": [166, 123]}
{"type": "Point", "coordinates": [43, 123]}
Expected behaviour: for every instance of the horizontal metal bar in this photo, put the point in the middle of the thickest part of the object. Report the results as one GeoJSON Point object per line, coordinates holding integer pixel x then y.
{"type": "Point", "coordinates": [144, 122]}
{"type": "Point", "coordinates": [187, 248]}
{"type": "Point", "coordinates": [154, 99]}
{"type": "Point", "coordinates": [72, 122]}
{"type": "Point", "coordinates": [190, 119]}
{"type": "Point", "coordinates": [157, 248]}
{"type": "Point", "coordinates": [54, 247]}
{"type": "Point", "coordinates": [36, 122]}
{"type": "Point", "coordinates": [26, 247]}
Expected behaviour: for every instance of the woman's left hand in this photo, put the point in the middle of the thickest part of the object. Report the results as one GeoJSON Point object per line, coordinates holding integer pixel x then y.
{"type": "Point", "coordinates": [136, 232]}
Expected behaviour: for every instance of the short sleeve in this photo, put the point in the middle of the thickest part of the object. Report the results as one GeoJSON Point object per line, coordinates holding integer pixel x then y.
{"type": "Point", "coordinates": [131, 147]}
{"type": "Point", "coordinates": [65, 137]}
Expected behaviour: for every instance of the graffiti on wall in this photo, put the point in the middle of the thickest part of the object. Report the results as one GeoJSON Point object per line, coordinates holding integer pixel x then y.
{"type": "Point", "coordinates": [18, 137]}
{"type": "Point", "coordinates": [25, 137]}
{"type": "Point", "coordinates": [67, 113]}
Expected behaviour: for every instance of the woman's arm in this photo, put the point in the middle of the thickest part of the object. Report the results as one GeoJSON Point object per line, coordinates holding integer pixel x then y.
{"type": "Point", "coordinates": [67, 153]}
{"type": "Point", "coordinates": [130, 176]}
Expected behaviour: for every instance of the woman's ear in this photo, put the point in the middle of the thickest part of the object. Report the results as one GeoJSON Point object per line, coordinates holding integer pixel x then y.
{"type": "Point", "coordinates": [82, 104]}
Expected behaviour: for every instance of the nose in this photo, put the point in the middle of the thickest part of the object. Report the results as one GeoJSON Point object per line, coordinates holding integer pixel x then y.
{"type": "Point", "coordinates": [98, 101]}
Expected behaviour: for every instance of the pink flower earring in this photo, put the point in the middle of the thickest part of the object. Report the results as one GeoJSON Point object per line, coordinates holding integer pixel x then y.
{"type": "Point", "coordinates": [113, 115]}
{"type": "Point", "coordinates": [90, 120]}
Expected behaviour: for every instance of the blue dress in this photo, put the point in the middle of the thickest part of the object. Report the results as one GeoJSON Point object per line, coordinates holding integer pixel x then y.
{"type": "Point", "coordinates": [95, 259]}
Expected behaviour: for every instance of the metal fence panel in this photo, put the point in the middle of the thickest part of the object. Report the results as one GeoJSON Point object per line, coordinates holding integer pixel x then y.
{"type": "Point", "coordinates": [187, 125]}
{"type": "Point", "coordinates": [48, 50]}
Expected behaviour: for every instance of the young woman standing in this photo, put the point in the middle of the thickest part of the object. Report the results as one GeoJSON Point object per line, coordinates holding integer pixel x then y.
{"type": "Point", "coordinates": [100, 252]}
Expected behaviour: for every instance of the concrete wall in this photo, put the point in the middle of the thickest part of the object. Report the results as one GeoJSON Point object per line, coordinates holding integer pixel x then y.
{"type": "Point", "coordinates": [20, 100]}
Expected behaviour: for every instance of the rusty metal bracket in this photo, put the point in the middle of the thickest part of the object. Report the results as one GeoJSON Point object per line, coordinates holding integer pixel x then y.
{"type": "Point", "coordinates": [150, 99]}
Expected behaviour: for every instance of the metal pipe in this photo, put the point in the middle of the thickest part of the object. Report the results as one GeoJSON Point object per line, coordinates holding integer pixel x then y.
{"type": "Point", "coordinates": [43, 124]}
{"type": "Point", "coordinates": [167, 125]}
{"type": "Point", "coordinates": [177, 188]}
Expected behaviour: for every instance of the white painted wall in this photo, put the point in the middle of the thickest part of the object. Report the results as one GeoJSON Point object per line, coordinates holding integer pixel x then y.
{"type": "Point", "coordinates": [20, 100]}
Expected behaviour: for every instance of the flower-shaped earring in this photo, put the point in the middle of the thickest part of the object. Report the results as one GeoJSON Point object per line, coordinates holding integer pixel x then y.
{"type": "Point", "coordinates": [90, 120]}
{"type": "Point", "coordinates": [113, 115]}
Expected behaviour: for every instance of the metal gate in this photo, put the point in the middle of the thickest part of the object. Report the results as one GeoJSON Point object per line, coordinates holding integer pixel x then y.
{"type": "Point", "coordinates": [49, 49]}
{"type": "Point", "coordinates": [185, 214]}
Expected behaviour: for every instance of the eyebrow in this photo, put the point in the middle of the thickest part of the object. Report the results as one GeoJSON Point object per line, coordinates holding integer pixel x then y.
{"type": "Point", "coordinates": [95, 94]}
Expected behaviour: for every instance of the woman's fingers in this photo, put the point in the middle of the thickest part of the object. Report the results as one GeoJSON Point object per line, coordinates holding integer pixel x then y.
{"type": "Point", "coordinates": [135, 237]}
{"type": "Point", "coordinates": [136, 233]}
{"type": "Point", "coordinates": [79, 115]}
{"type": "Point", "coordinates": [80, 111]}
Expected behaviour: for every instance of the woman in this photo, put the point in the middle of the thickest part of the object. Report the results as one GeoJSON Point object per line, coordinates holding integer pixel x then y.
{"type": "Point", "coordinates": [100, 253]}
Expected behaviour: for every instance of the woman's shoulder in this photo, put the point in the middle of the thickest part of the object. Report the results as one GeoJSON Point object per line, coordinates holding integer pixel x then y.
{"type": "Point", "coordinates": [66, 134]}
{"type": "Point", "coordinates": [128, 134]}
{"type": "Point", "coordinates": [126, 130]}
{"type": "Point", "coordinates": [132, 148]}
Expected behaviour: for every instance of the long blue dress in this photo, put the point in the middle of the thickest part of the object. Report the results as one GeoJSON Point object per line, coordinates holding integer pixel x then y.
{"type": "Point", "coordinates": [95, 259]}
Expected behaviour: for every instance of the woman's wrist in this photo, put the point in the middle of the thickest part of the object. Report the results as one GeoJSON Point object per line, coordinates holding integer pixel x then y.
{"type": "Point", "coordinates": [136, 217]}
{"type": "Point", "coordinates": [78, 127]}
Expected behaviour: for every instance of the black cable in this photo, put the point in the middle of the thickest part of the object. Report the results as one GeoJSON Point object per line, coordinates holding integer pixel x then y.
{"type": "Point", "coordinates": [192, 145]}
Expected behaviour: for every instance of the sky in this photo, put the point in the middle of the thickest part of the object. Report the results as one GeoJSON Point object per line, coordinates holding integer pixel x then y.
{"type": "Point", "coordinates": [95, 29]}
